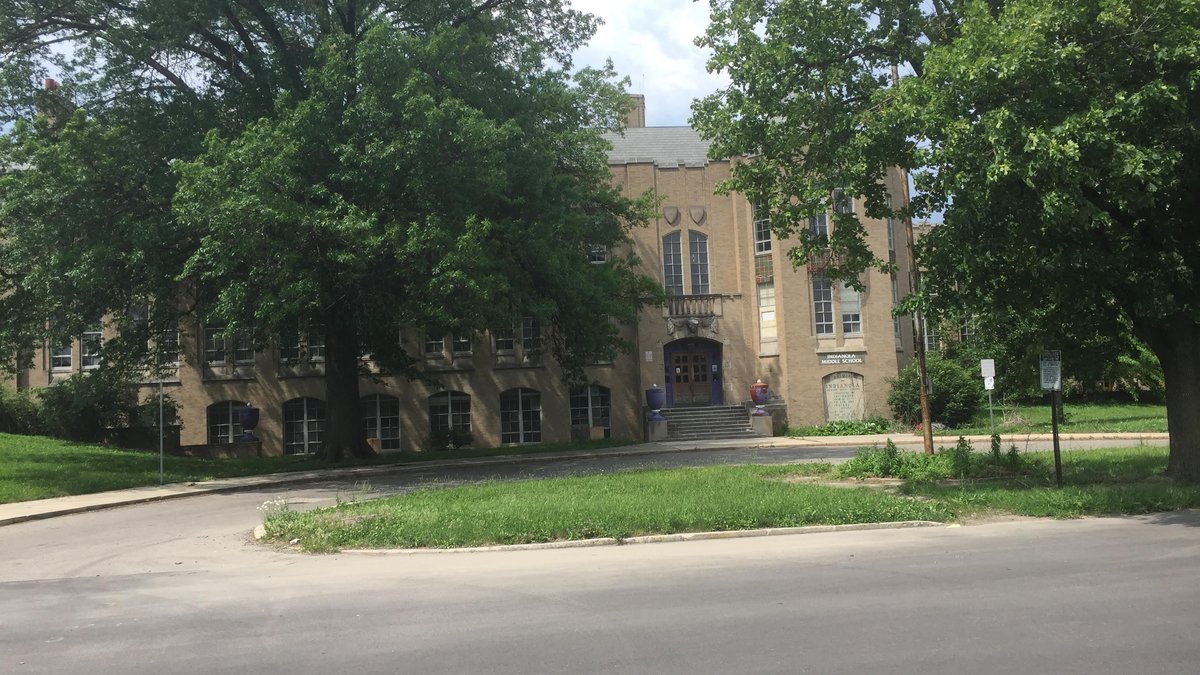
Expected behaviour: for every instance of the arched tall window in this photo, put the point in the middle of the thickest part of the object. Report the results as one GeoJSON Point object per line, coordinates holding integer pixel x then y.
{"type": "Point", "coordinates": [672, 265]}
{"type": "Point", "coordinates": [223, 423]}
{"type": "Point", "coordinates": [521, 416]}
{"type": "Point", "coordinates": [698, 252]}
{"type": "Point", "coordinates": [590, 409]}
{"type": "Point", "coordinates": [303, 426]}
{"type": "Point", "coordinates": [381, 420]}
{"type": "Point", "coordinates": [449, 411]}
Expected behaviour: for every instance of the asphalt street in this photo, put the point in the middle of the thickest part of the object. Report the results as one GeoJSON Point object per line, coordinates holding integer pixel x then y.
{"type": "Point", "coordinates": [179, 586]}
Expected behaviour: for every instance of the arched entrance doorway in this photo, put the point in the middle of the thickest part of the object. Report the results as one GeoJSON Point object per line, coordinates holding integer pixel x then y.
{"type": "Point", "coordinates": [693, 372]}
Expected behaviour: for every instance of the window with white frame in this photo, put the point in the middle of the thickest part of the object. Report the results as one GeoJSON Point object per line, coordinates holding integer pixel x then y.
{"type": "Point", "coordinates": [818, 225]}
{"type": "Point", "coordinates": [224, 424]}
{"type": "Point", "coordinates": [896, 319]}
{"type": "Point", "coordinates": [851, 303]}
{"type": "Point", "coordinates": [62, 357]}
{"type": "Point", "coordinates": [597, 254]}
{"type": "Point", "coordinates": [435, 347]}
{"type": "Point", "coordinates": [590, 408]}
{"type": "Point", "coordinates": [505, 340]}
{"type": "Point", "coordinates": [891, 231]}
{"type": "Point", "coordinates": [303, 426]}
{"type": "Point", "coordinates": [214, 345]}
{"type": "Point", "coordinates": [381, 420]}
{"type": "Point", "coordinates": [531, 336]}
{"type": "Point", "coordinates": [461, 344]}
{"type": "Point", "coordinates": [843, 203]}
{"type": "Point", "coordinates": [521, 416]}
{"type": "Point", "coordinates": [243, 347]}
{"type": "Point", "coordinates": [167, 347]}
{"type": "Point", "coordinates": [449, 411]}
{"type": "Point", "coordinates": [823, 305]}
{"type": "Point", "coordinates": [90, 343]}
{"type": "Point", "coordinates": [768, 334]}
{"type": "Point", "coordinates": [316, 342]}
{"type": "Point", "coordinates": [289, 346]}
{"type": "Point", "coordinates": [698, 250]}
{"type": "Point", "coordinates": [931, 337]}
{"type": "Point", "coordinates": [672, 264]}
{"type": "Point", "coordinates": [762, 230]}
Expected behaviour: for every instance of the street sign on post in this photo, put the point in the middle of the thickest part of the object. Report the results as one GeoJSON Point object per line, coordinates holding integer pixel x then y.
{"type": "Point", "coordinates": [1051, 369]}
{"type": "Point", "coordinates": [987, 368]}
{"type": "Point", "coordinates": [1052, 380]}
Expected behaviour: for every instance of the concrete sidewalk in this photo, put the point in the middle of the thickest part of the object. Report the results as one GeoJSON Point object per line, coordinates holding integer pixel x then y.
{"type": "Point", "coordinates": [59, 506]}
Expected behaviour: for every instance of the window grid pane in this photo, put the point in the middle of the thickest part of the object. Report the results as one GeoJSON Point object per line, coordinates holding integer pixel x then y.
{"type": "Point", "coordinates": [531, 335]}
{"type": "Point", "coordinates": [520, 416]}
{"type": "Point", "coordinates": [303, 425]}
{"type": "Point", "coordinates": [224, 425]}
{"type": "Point", "coordinates": [672, 265]}
{"type": "Point", "coordinates": [823, 305]}
{"type": "Point", "coordinates": [381, 420]}
{"type": "Point", "coordinates": [61, 357]}
{"type": "Point", "coordinates": [89, 347]}
{"type": "Point", "coordinates": [818, 225]}
{"type": "Point", "coordinates": [762, 230]}
{"type": "Point", "coordinates": [698, 248]}
{"type": "Point", "coordinates": [851, 303]}
{"type": "Point", "coordinates": [214, 344]}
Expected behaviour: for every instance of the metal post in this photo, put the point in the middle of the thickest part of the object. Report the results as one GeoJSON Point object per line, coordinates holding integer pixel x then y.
{"type": "Point", "coordinates": [991, 417]}
{"type": "Point", "coordinates": [1055, 405]}
{"type": "Point", "coordinates": [161, 477]}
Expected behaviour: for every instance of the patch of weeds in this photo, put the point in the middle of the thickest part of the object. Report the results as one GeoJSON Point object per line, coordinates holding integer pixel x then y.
{"type": "Point", "coordinates": [875, 425]}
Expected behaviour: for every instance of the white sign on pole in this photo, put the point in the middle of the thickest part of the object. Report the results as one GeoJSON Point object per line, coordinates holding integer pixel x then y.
{"type": "Point", "coordinates": [989, 383]}
{"type": "Point", "coordinates": [1051, 374]}
{"type": "Point", "coordinates": [987, 367]}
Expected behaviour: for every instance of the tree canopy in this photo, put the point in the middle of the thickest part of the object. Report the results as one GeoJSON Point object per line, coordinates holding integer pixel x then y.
{"type": "Point", "coordinates": [356, 166]}
{"type": "Point", "coordinates": [1058, 137]}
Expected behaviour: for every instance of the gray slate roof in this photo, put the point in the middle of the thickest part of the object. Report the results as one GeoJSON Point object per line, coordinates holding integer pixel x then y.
{"type": "Point", "coordinates": [664, 146]}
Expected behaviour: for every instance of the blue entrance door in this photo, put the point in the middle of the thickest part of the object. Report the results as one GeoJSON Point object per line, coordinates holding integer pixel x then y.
{"type": "Point", "coordinates": [693, 373]}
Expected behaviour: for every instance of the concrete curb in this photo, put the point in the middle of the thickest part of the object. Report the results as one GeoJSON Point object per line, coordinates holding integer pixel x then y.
{"type": "Point", "coordinates": [647, 539]}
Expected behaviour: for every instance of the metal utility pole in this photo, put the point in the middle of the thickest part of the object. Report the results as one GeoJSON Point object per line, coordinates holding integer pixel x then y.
{"type": "Point", "coordinates": [914, 287]}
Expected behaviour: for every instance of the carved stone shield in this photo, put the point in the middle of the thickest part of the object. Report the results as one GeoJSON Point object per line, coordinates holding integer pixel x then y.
{"type": "Point", "coordinates": [671, 213]}
{"type": "Point", "coordinates": [698, 214]}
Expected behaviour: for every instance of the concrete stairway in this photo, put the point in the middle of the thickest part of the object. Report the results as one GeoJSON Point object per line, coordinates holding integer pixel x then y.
{"type": "Point", "coordinates": [690, 424]}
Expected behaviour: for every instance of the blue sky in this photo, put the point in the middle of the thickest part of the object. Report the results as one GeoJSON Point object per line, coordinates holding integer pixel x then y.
{"type": "Point", "coordinates": [652, 43]}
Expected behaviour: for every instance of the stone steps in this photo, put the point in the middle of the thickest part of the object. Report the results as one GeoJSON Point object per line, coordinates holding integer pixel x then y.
{"type": "Point", "coordinates": [690, 424]}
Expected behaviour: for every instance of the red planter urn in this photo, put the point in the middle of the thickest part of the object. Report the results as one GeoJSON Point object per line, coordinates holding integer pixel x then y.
{"type": "Point", "coordinates": [758, 394]}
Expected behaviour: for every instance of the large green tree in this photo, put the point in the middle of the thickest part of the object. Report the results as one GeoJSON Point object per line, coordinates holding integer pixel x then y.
{"type": "Point", "coordinates": [354, 166]}
{"type": "Point", "coordinates": [1057, 136]}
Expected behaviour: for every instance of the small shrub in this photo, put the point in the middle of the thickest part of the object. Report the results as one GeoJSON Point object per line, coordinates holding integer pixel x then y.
{"type": "Point", "coordinates": [86, 405]}
{"type": "Point", "coordinates": [18, 412]}
{"type": "Point", "coordinates": [955, 398]}
{"type": "Point", "coordinates": [960, 458]}
{"type": "Point", "coordinates": [996, 449]}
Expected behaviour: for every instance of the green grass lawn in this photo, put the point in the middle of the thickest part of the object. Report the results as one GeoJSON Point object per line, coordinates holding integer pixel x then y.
{"type": "Point", "coordinates": [1126, 480]}
{"type": "Point", "coordinates": [35, 467]}
{"type": "Point", "coordinates": [1080, 418]}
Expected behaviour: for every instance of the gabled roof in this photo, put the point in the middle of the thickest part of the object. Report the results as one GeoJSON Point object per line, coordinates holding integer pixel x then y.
{"type": "Point", "coordinates": [664, 146]}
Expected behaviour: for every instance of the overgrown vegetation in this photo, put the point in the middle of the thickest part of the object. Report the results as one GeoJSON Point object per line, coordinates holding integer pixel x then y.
{"type": "Point", "coordinates": [87, 407]}
{"type": "Point", "coordinates": [875, 425]}
{"type": "Point", "coordinates": [1125, 480]}
{"type": "Point", "coordinates": [956, 461]}
{"type": "Point", "coordinates": [1077, 418]}
{"type": "Point", "coordinates": [623, 504]}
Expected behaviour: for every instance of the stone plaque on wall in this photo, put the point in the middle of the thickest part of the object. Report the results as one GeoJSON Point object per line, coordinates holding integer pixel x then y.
{"type": "Point", "coordinates": [843, 396]}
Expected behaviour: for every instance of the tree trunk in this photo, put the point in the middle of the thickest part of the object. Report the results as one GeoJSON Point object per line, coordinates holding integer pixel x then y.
{"type": "Point", "coordinates": [344, 437]}
{"type": "Point", "coordinates": [1177, 345]}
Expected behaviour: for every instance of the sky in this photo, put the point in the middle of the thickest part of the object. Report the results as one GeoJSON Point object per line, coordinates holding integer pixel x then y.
{"type": "Point", "coordinates": [651, 42]}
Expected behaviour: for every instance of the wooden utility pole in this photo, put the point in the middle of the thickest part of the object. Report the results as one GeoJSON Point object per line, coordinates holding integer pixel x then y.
{"type": "Point", "coordinates": [914, 287]}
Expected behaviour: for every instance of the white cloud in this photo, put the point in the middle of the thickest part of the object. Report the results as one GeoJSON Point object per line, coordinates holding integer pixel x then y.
{"type": "Point", "coordinates": [652, 44]}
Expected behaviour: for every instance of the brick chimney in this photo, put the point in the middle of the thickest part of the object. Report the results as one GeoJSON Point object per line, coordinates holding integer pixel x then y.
{"type": "Point", "coordinates": [636, 117]}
